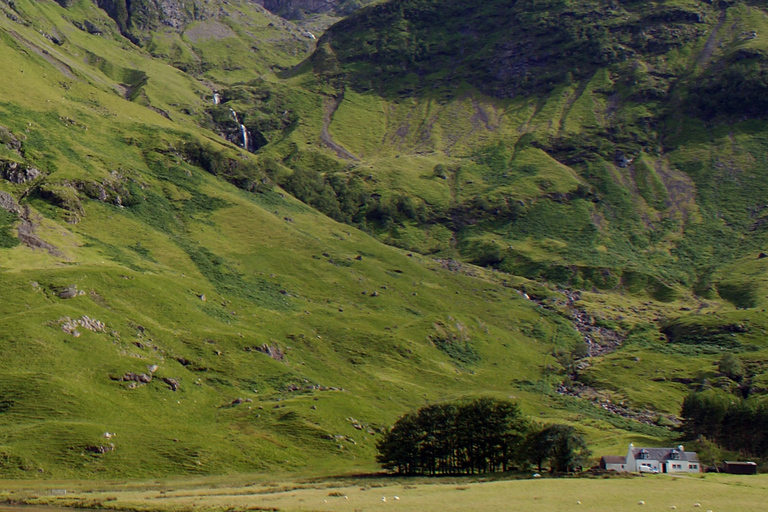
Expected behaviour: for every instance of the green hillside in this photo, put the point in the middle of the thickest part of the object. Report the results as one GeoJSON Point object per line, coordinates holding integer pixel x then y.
{"type": "Point", "coordinates": [414, 214]}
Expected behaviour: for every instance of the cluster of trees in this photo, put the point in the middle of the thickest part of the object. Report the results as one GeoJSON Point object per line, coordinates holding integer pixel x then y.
{"type": "Point", "coordinates": [732, 422]}
{"type": "Point", "coordinates": [478, 436]}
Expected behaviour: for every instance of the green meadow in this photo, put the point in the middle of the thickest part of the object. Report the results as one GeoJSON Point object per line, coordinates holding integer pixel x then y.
{"type": "Point", "coordinates": [712, 492]}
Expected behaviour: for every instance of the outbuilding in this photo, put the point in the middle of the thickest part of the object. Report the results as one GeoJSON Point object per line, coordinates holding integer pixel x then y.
{"type": "Point", "coordinates": [739, 467]}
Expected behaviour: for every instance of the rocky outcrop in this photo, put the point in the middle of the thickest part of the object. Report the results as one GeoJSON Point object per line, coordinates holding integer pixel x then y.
{"type": "Point", "coordinates": [10, 141]}
{"type": "Point", "coordinates": [28, 236]}
{"type": "Point", "coordinates": [8, 203]}
{"type": "Point", "coordinates": [291, 7]}
{"type": "Point", "coordinates": [135, 19]}
{"type": "Point", "coordinates": [272, 351]}
{"type": "Point", "coordinates": [70, 326]}
{"type": "Point", "coordinates": [18, 173]}
{"type": "Point", "coordinates": [173, 384]}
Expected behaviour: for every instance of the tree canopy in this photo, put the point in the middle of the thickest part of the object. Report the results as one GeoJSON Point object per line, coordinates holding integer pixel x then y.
{"type": "Point", "coordinates": [477, 436]}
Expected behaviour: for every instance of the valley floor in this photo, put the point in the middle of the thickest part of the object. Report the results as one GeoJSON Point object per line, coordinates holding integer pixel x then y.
{"type": "Point", "coordinates": [658, 492]}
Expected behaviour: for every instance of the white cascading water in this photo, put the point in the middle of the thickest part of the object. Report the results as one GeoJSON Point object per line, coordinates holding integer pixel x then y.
{"type": "Point", "coordinates": [216, 98]}
{"type": "Point", "coordinates": [244, 134]}
{"type": "Point", "coordinates": [243, 131]}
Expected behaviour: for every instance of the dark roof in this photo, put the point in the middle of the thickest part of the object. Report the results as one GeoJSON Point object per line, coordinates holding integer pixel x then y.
{"type": "Point", "coordinates": [665, 454]}
{"type": "Point", "coordinates": [614, 459]}
{"type": "Point", "coordinates": [741, 463]}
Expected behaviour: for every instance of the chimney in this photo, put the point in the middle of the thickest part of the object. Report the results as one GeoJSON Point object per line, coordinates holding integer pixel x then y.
{"type": "Point", "coordinates": [680, 448]}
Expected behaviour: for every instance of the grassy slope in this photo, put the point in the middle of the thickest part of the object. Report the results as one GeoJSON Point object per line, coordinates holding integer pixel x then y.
{"type": "Point", "coordinates": [273, 271]}
{"type": "Point", "coordinates": [190, 274]}
{"type": "Point", "coordinates": [668, 236]}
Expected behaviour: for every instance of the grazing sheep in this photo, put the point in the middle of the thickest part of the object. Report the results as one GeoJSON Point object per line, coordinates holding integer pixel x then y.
{"type": "Point", "coordinates": [673, 507]}
{"type": "Point", "coordinates": [383, 498]}
{"type": "Point", "coordinates": [578, 502]}
{"type": "Point", "coordinates": [696, 505]}
{"type": "Point", "coordinates": [641, 502]}
{"type": "Point", "coordinates": [397, 498]}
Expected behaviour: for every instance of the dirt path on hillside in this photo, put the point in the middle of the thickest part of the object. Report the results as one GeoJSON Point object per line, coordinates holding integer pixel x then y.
{"type": "Point", "coordinates": [331, 105]}
{"type": "Point", "coordinates": [704, 58]}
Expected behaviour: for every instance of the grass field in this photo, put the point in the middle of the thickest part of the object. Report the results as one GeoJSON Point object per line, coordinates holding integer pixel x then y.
{"type": "Point", "coordinates": [661, 492]}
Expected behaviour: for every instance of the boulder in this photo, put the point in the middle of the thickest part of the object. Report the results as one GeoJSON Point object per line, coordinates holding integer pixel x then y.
{"type": "Point", "coordinates": [8, 203]}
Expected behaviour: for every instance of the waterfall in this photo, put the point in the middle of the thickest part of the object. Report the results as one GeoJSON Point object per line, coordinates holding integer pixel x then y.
{"type": "Point", "coordinates": [216, 98]}
{"type": "Point", "coordinates": [244, 134]}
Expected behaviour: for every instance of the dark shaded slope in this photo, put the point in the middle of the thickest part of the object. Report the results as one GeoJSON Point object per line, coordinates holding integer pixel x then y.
{"type": "Point", "coordinates": [503, 48]}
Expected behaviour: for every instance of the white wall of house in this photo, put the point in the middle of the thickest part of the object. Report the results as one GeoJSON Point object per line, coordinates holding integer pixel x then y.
{"type": "Point", "coordinates": [648, 465]}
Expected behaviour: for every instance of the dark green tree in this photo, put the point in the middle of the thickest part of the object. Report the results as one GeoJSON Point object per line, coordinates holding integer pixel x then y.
{"type": "Point", "coordinates": [569, 449]}
{"type": "Point", "coordinates": [476, 436]}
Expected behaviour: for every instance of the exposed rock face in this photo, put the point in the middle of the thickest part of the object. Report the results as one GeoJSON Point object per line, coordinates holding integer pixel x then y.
{"type": "Point", "coordinates": [173, 384]}
{"type": "Point", "coordinates": [8, 203]}
{"type": "Point", "coordinates": [17, 173]}
{"type": "Point", "coordinates": [9, 140]}
{"type": "Point", "coordinates": [272, 351]}
{"type": "Point", "coordinates": [27, 235]}
{"type": "Point", "coordinates": [293, 6]}
{"type": "Point", "coordinates": [135, 18]}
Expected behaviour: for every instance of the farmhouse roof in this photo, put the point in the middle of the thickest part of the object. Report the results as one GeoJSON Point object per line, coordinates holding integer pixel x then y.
{"type": "Point", "coordinates": [614, 459]}
{"type": "Point", "coordinates": [666, 454]}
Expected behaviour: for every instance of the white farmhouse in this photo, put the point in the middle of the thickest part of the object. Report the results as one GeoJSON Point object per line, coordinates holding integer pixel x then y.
{"type": "Point", "coordinates": [653, 460]}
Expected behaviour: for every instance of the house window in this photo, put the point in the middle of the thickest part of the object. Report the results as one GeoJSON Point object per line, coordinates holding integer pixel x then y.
{"type": "Point", "coordinates": [693, 466]}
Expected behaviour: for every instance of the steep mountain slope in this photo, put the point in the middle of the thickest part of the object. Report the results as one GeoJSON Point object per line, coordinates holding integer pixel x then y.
{"type": "Point", "coordinates": [611, 147]}
{"type": "Point", "coordinates": [597, 111]}
{"type": "Point", "coordinates": [163, 287]}
{"type": "Point", "coordinates": [166, 309]}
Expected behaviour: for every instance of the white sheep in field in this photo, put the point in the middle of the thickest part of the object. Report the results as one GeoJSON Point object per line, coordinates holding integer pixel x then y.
{"type": "Point", "coordinates": [384, 498]}
{"type": "Point", "coordinates": [696, 505]}
{"type": "Point", "coordinates": [397, 498]}
{"type": "Point", "coordinates": [641, 502]}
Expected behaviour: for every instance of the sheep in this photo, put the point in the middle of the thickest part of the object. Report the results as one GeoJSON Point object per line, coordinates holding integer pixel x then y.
{"type": "Point", "coordinates": [696, 505]}
{"type": "Point", "coordinates": [384, 498]}
{"type": "Point", "coordinates": [641, 502]}
{"type": "Point", "coordinates": [397, 498]}
{"type": "Point", "coordinates": [673, 507]}
{"type": "Point", "coordinates": [578, 502]}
